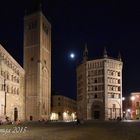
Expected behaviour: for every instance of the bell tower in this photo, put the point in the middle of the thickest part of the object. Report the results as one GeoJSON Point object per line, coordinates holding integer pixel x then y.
{"type": "Point", "coordinates": [37, 65]}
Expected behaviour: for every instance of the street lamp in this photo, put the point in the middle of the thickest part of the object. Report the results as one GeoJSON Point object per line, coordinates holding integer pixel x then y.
{"type": "Point", "coordinates": [124, 107]}
{"type": "Point", "coordinates": [128, 113]}
{"type": "Point", "coordinates": [128, 110]}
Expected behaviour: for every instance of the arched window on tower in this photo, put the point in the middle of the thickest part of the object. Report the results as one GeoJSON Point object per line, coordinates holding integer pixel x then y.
{"type": "Point", "coordinates": [95, 96]}
{"type": "Point", "coordinates": [95, 88]}
{"type": "Point", "coordinates": [95, 81]}
{"type": "Point", "coordinates": [118, 73]}
{"type": "Point", "coordinates": [119, 81]}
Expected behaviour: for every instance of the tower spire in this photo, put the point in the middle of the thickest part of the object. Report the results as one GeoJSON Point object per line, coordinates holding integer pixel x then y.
{"type": "Point", "coordinates": [105, 53]}
{"type": "Point", "coordinates": [36, 7]}
{"type": "Point", "coordinates": [85, 53]}
{"type": "Point", "coordinates": [40, 6]}
{"type": "Point", "coordinates": [119, 56]}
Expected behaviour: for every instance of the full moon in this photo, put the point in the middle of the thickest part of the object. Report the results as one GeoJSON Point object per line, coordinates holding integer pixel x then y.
{"type": "Point", "coordinates": [72, 55]}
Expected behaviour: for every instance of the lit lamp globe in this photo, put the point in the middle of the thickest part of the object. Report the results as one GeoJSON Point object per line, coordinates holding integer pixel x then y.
{"type": "Point", "coordinates": [128, 110]}
{"type": "Point", "coordinates": [132, 98]}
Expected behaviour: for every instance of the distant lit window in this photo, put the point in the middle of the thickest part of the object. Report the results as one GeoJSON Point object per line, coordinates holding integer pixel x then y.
{"type": "Point", "coordinates": [137, 111]}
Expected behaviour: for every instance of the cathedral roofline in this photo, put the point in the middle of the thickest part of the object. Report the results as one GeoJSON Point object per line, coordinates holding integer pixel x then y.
{"type": "Point", "coordinates": [10, 58]}
{"type": "Point", "coordinates": [66, 97]}
{"type": "Point", "coordinates": [99, 59]}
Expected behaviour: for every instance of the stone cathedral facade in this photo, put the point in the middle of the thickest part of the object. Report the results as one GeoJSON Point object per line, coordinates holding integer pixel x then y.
{"type": "Point", "coordinates": [99, 88]}
{"type": "Point", "coordinates": [12, 87]}
{"type": "Point", "coordinates": [25, 94]}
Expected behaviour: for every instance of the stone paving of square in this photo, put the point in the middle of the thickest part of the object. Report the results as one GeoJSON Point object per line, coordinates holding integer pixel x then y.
{"type": "Point", "coordinates": [128, 130]}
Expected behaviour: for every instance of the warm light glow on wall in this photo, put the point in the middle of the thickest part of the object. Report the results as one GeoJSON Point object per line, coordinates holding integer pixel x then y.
{"type": "Point", "coordinates": [73, 116]}
{"type": "Point", "coordinates": [65, 116]}
{"type": "Point", "coordinates": [69, 116]}
{"type": "Point", "coordinates": [54, 116]}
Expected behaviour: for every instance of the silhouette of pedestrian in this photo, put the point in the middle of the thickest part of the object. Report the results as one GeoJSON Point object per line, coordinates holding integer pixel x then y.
{"type": "Point", "coordinates": [78, 121]}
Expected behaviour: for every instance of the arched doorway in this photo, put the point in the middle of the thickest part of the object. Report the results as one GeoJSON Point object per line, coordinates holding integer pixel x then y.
{"type": "Point", "coordinates": [97, 110]}
{"type": "Point", "coordinates": [97, 114]}
{"type": "Point", "coordinates": [31, 118]}
{"type": "Point", "coordinates": [15, 114]}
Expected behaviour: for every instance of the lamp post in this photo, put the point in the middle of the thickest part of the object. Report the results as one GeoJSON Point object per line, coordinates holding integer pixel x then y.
{"type": "Point", "coordinates": [5, 97]}
{"type": "Point", "coordinates": [129, 113]}
{"type": "Point", "coordinates": [123, 107]}
{"type": "Point", "coordinates": [132, 106]}
{"type": "Point", "coordinates": [120, 110]}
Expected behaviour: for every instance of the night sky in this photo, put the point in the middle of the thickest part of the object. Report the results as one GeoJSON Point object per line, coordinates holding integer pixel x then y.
{"type": "Point", "coordinates": [98, 23]}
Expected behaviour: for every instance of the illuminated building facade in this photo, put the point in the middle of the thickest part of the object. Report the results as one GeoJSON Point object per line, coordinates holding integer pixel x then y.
{"type": "Point", "coordinates": [99, 88]}
{"type": "Point", "coordinates": [135, 105]}
{"type": "Point", "coordinates": [63, 108]}
{"type": "Point", "coordinates": [37, 64]}
{"type": "Point", "coordinates": [12, 97]}
{"type": "Point", "coordinates": [27, 94]}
